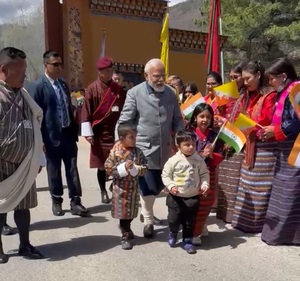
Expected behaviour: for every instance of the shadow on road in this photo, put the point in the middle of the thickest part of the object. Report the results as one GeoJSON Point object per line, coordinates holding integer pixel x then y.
{"type": "Point", "coordinates": [46, 188]}
{"type": "Point", "coordinates": [88, 245]}
{"type": "Point", "coordinates": [100, 208]}
{"type": "Point", "coordinates": [230, 237]}
{"type": "Point", "coordinates": [66, 223]}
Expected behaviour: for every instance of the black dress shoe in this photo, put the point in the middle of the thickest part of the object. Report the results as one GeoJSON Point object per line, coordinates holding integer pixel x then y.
{"type": "Point", "coordinates": [7, 230]}
{"type": "Point", "coordinates": [148, 231]}
{"type": "Point", "coordinates": [30, 252]}
{"type": "Point", "coordinates": [57, 207]}
{"type": "Point", "coordinates": [104, 197]}
{"type": "Point", "coordinates": [77, 209]}
{"type": "Point", "coordinates": [3, 258]}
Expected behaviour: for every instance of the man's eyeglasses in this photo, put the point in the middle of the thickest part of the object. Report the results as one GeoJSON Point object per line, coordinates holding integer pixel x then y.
{"type": "Point", "coordinates": [56, 64]}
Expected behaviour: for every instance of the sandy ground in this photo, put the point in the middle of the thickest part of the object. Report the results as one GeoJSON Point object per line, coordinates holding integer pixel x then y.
{"type": "Point", "coordinates": [80, 249]}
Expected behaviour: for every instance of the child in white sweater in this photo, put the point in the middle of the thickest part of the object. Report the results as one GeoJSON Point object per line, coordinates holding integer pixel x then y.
{"type": "Point", "coordinates": [186, 176]}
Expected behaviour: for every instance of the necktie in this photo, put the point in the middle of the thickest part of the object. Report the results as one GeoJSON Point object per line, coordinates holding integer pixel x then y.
{"type": "Point", "coordinates": [62, 104]}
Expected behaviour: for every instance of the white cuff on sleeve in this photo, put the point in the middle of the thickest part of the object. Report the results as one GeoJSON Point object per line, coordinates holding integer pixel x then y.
{"type": "Point", "coordinates": [205, 183]}
{"type": "Point", "coordinates": [134, 171]}
{"type": "Point", "coordinates": [86, 129]}
{"type": "Point", "coordinates": [122, 170]}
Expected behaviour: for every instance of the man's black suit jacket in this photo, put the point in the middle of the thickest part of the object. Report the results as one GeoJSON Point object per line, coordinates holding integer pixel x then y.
{"type": "Point", "coordinates": [43, 93]}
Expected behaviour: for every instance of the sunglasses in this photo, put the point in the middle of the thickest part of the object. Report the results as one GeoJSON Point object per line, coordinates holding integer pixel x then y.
{"type": "Point", "coordinates": [56, 64]}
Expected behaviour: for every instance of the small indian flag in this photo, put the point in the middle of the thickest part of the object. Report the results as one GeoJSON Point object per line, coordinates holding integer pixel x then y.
{"type": "Point", "coordinates": [294, 157]}
{"type": "Point", "coordinates": [226, 93]}
{"type": "Point", "coordinates": [245, 124]}
{"type": "Point", "coordinates": [295, 98]}
{"type": "Point", "coordinates": [232, 136]}
{"type": "Point", "coordinates": [188, 107]}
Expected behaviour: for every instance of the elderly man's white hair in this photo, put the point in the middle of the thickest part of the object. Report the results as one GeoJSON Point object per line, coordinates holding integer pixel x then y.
{"type": "Point", "coordinates": [152, 63]}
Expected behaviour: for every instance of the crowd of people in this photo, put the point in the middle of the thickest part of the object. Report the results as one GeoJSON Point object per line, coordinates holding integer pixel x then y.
{"type": "Point", "coordinates": [141, 142]}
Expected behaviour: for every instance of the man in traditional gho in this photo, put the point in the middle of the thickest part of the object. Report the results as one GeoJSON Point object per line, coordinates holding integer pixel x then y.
{"type": "Point", "coordinates": [153, 108]}
{"type": "Point", "coordinates": [21, 149]}
{"type": "Point", "coordinates": [104, 100]}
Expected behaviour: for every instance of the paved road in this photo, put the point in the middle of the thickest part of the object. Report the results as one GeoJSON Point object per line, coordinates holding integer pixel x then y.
{"type": "Point", "coordinates": [87, 249]}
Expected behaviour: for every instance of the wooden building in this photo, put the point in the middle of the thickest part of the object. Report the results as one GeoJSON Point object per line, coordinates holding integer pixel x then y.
{"type": "Point", "coordinates": [132, 31]}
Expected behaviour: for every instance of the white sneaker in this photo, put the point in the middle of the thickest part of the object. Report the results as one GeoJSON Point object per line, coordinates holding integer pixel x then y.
{"type": "Point", "coordinates": [197, 241]}
{"type": "Point", "coordinates": [205, 231]}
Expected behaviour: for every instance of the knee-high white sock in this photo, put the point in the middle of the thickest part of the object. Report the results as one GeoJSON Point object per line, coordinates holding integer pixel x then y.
{"type": "Point", "coordinates": [147, 203]}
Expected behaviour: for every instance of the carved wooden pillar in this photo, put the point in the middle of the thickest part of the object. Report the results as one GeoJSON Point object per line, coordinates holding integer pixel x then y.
{"type": "Point", "coordinates": [53, 26]}
{"type": "Point", "coordinates": [73, 55]}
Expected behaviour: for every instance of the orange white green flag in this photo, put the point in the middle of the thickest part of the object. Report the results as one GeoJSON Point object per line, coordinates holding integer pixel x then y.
{"type": "Point", "coordinates": [245, 124]}
{"type": "Point", "coordinates": [295, 98]}
{"type": "Point", "coordinates": [294, 157]}
{"type": "Point", "coordinates": [226, 93]}
{"type": "Point", "coordinates": [188, 107]}
{"type": "Point", "coordinates": [233, 136]}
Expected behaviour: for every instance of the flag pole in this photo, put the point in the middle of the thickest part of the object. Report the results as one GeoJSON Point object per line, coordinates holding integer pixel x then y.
{"type": "Point", "coordinates": [221, 51]}
{"type": "Point", "coordinates": [211, 35]}
{"type": "Point", "coordinates": [216, 138]}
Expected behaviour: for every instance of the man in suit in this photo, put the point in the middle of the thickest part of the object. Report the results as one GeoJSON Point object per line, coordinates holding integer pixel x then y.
{"type": "Point", "coordinates": [60, 134]}
{"type": "Point", "coordinates": [153, 108]}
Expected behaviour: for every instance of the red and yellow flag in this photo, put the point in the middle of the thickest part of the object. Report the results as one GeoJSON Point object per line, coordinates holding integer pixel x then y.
{"type": "Point", "coordinates": [245, 124]}
{"type": "Point", "coordinates": [226, 93]}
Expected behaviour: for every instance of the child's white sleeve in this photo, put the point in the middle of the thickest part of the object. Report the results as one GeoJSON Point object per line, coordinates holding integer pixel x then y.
{"type": "Point", "coordinates": [167, 175]}
{"type": "Point", "coordinates": [204, 174]}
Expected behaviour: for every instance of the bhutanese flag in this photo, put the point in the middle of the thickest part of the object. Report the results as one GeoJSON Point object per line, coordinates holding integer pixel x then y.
{"type": "Point", "coordinates": [295, 98]}
{"type": "Point", "coordinates": [226, 93]}
{"type": "Point", "coordinates": [294, 157]}
{"type": "Point", "coordinates": [245, 124]}
{"type": "Point", "coordinates": [188, 107]}
{"type": "Point", "coordinates": [164, 40]}
{"type": "Point", "coordinates": [233, 136]}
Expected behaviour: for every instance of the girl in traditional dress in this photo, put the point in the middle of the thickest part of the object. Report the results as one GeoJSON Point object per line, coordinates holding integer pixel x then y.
{"type": "Point", "coordinates": [259, 157]}
{"type": "Point", "coordinates": [125, 164]}
{"type": "Point", "coordinates": [282, 222]}
{"type": "Point", "coordinates": [202, 122]}
{"type": "Point", "coordinates": [230, 168]}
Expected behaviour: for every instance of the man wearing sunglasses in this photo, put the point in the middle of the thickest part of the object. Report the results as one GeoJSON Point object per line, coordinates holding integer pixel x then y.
{"type": "Point", "coordinates": [20, 149]}
{"type": "Point", "coordinates": [60, 134]}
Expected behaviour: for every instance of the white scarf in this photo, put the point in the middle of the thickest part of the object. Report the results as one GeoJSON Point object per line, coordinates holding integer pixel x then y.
{"type": "Point", "coordinates": [15, 188]}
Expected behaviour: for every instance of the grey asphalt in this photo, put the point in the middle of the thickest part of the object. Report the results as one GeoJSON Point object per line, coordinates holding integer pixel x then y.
{"type": "Point", "coordinates": [88, 249]}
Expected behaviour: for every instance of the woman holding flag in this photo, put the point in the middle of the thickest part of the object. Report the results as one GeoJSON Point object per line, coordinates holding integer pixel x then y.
{"type": "Point", "coordinates": [230, 168]}
{"type": "Point", "coordinates": [282, 222]}
{"type": "Point", "coordinates": [259, 160]}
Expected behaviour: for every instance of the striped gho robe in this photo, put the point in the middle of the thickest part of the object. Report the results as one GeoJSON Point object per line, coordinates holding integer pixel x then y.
{"type": "Point", "coordinates": [125, 199]}
{"type": "Point", "coordinates": [17, 139]}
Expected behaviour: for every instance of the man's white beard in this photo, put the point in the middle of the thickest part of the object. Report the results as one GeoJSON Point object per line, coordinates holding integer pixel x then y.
{"type": "Point", "coordinates": [156, 88]}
